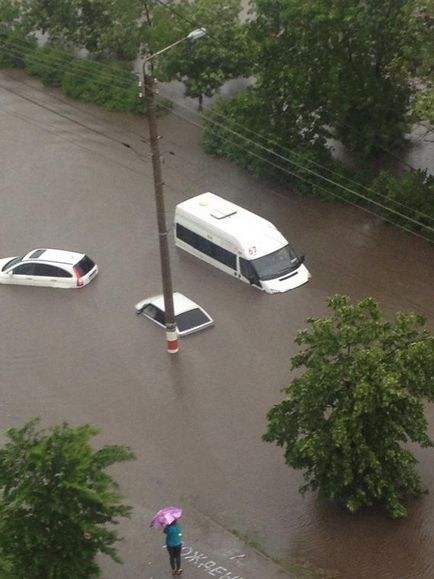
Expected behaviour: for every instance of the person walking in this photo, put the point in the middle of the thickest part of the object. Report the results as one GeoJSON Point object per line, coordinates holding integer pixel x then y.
{"type": "Point", "coordinates": [174, 546]}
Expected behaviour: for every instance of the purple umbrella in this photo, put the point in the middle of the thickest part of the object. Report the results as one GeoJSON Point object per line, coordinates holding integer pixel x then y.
{"type": "Point", "coordinates": [165, 516]}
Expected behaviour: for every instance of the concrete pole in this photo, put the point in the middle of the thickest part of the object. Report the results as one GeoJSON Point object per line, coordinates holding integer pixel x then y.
{"type": "Point", "coordinates": [171, 332]}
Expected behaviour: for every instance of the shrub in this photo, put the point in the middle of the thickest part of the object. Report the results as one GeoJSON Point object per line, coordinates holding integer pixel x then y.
{"type": "Point", "coordinates": [58, 504]}
{"type": "Point", "coordinates": [234, 129]}
{"type": "Point", "coordinates": [424, 106]}
{"type": "Point", "coordinates": [412, 195]}
{"type": "Point", "coordinates": [355, 404]}
{"type": "Point", "coordinates": [14, 47]}
{"type": "Point", "coordinates": [79, 78]}
{"type": "Point", "coordinates": [49, 64]}
{"type": "Point", "coordinates": [112, 86]}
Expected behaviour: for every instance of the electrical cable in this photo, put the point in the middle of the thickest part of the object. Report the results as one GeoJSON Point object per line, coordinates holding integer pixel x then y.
{"type": "Point", "coordinates": [304, 168]}
{"type": "Point", "coordinates": [311, 161]}
{"type": "Point", "coordinates": [66, 117]}
{"type": "Point", "coordinates": [112, 77]}
{"type": "Point", "coordinates": [314, 173]}
{"type": "Point", "coordinates": [81, 63]}
{"type": "Point", "coordinates": [330, 181]}
{"type": "Point", "coordinates": [176, 190]}
{"type": "Point", "coordinates": [196, 24]}
{"type": "Point", "coordinates": [344, 199]}
{"type": "Point", "coordinates": [101, 133]}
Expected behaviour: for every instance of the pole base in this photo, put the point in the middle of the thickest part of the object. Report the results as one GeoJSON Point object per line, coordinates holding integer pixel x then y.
{"type": "Point", "coordinates": [172, 342]}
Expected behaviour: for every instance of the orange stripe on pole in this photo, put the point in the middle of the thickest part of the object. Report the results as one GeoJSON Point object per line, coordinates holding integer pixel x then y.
{"type": "Point", "coordinates": [172, 342]}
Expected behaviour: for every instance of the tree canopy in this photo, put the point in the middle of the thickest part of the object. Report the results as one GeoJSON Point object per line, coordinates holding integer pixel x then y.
{"type": "Point", "coordinates": [357, 400]}
{"type": "Point", "coordinates": [204, 66]}
{"type": "Point", "coordinates": [56, 501]}
{"type": "Point", "coordinates": [344, 64]}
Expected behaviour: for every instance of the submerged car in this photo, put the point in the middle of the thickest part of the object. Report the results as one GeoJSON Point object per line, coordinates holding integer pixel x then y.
{"type": "Point", "coordinates": [49, 268]}
{"type": "Point", "coordinates": [189, 316]}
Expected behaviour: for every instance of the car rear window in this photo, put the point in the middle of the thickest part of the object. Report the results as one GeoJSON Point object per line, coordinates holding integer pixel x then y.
{"type": "Point", "coordinates": [85, 265]}
{"type": "Point", "coordinates": [191, 319]}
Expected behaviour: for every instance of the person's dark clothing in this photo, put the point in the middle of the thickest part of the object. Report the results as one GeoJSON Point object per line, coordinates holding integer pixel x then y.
{"type": "Point", "coordinates": [175, 557]}
{"type": "Point", "coordinates": [173, 535]}
{"type": "Point", "coordinates": [174, 545]}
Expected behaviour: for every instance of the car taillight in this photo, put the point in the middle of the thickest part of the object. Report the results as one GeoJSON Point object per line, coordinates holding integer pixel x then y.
{"type": "Point", "coordinates": [78, 277]}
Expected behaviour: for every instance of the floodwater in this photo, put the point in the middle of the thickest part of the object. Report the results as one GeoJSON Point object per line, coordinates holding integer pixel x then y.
{"type": "Point", "coordinates": [195, 420]}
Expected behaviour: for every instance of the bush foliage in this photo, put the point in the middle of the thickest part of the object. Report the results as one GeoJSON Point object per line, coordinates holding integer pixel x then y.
{"type": "Point", "coordinates": [411, 194]}
{"type": "Point", "coordinates": [234, 129]}
{"type": "Point", "coordinates": [357, 401]}
{"type": "Point", "coordinates": [14, 47]}
{"type": "Point", "coordinates": [58, 504]}
{"type": "Point", "coordinates": [49, 64]}
{"type": "Point", "coordinates": [112, 86]}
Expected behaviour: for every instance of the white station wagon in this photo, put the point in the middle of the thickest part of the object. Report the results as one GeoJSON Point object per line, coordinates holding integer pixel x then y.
{"type": "Point", "coordinates": [48, 267]}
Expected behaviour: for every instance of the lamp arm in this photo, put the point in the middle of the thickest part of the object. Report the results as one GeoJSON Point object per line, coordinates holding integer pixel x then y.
{"type": "Point", "coordinates": [151, 56]}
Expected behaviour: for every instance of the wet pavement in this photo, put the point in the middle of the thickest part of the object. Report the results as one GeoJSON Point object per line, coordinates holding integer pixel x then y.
{"type": "Point", "coordinates": [76, 177]}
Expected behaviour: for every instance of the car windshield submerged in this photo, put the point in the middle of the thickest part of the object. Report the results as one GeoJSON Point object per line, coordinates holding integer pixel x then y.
{"type": "Point", "coordinates": [11, 263]}
{"type": "Point", "coordinates": [276, 264]}
{"type": "Point", "coordinates": [191, 319]}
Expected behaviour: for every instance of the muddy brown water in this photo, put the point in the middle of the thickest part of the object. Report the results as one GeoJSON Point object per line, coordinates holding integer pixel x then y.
{"type": "Point", "coordinates": [195, 420]}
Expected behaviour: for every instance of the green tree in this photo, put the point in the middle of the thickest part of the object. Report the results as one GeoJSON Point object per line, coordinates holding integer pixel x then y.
{"type": "Point", "coordinates": [125, 34]}
{"type": "Point", "coordinates": [204, 66]}
{"type": "Point", "coordinates": [56, 501]}
{"type": "Point", "coordinates": [358, 398]}
{"type": "Point", "coordinates": [9, 12]}
{"type": "Point", "coordinates": [14, 43]}
{"type": "Point", "coordinates": [342, 63]}
{"type": "Point", "coordinates": [76, 22]}
{"type": "Point", "coordinates": [106, 28]}
{"type": "Point", "coordinates": [413, 189]}
{"type": "Point", "coordinates": [424, 101]}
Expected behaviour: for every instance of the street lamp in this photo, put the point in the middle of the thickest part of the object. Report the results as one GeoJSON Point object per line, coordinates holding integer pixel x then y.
{"type": "Point", "coordinates": [148, 82]}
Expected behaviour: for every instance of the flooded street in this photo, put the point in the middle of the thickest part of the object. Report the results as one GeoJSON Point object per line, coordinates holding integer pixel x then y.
{"type": "Point", "coordinates": [75, 177]}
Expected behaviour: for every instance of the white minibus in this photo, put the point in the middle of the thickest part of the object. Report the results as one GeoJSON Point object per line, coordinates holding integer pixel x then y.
{"type": "Point", "coordinates": [238, 242]}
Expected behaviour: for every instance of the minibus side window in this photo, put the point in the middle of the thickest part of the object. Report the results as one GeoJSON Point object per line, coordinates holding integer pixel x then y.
{"type": "Point", "coordinates": [205, 246]}
{"type": "Point", "coordinates": [188, 236]}
{"type": "Point", "coordinates": [223, 255]}
{"type": "Point", "coordinates": [248, 271]}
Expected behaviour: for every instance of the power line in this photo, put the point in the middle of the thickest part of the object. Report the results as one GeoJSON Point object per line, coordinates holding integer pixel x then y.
{"type": "Point", "coordinates": [302, 157]}
{"type": "Point", "coordinates": [281, 157]}
{"type": "Point", "coordinates": [66, 117]}
{"type": "Point", "coordinates": [167, 185]}
{"type": "Point", "coordinates": [314, 173]}
{"type": "Point", "coordinates": [81, 63]}
{"type": "Point", "coordinates": [342, 198]}
{"type": "Point", "coordinates": [193, 23]}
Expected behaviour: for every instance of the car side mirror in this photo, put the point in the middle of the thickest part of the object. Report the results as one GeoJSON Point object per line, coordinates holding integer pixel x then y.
{"type": "Point", "coordinates": [301, 259]}
{"type": "Point", "coordinates": [10, 272]}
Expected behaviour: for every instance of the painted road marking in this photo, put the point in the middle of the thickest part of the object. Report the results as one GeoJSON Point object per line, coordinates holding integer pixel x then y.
{"type": "Point", "coordinates": [202, 561]}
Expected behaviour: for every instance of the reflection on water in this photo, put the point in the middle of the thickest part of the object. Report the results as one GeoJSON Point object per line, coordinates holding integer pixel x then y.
{"type": "Point", "coordinates": [84, 355]}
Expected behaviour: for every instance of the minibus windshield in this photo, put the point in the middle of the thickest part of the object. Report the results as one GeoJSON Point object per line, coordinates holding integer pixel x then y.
{"type": "Point", "coordinates": [276, 264]}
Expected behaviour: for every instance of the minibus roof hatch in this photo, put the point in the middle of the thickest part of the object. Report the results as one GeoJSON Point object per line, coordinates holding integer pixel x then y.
{"type": "Point", "coordinates": [222, 211]}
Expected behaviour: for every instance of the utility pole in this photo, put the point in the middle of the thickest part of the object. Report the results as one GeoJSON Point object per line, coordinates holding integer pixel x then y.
{"type": "Point", "coordinates": [171, 333]}
{"type": "Point", "coordinates": [149, 82]}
